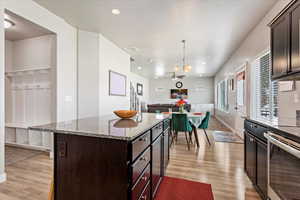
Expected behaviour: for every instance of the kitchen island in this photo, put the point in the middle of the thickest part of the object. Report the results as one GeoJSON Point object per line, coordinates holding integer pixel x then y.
{"type": "Point", "coordinates": [110, 158]}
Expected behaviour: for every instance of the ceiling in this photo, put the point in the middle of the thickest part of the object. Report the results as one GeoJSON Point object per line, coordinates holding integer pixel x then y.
{"type": "Point", "coordinates": [151, 31]}
{"type": "Point", "coordinates": [23, 29]}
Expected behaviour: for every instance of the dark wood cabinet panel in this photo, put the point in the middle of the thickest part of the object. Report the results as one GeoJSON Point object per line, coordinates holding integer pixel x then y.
{"type": "Point", "coordinates": [146, 193]}
{"type": "Point", "coordinates": [295, 45]}
{"type": "Point", "coordinates": [166, 154]}
{"type": "Point", "coordinates": [81, 171]}
{"type": "Point", "coordinates": [102, 168]}
{"type": "Point", "coordinates": [140, 144]}
{"type": "Point", "coordinates": [285, 42]}
{"type": "Point", "coordinates": [280, 46]}
{"type": "Point", "coordinates": [140, 164]}
{"type": "Point", "coordinates": [250, 157]}
{"type": "Point", "coordinates": [256, 157]}
{"type": "Point", "coordinates": [262, 170]}
{"type": "Point", "coordinates": [157, 163]}
{"type": "Point", "coordinates": [140, 185]}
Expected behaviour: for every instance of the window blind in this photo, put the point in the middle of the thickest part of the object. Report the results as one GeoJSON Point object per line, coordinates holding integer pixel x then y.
{"type": "Point", "coordinates": [266, 90]}
{"type": "Point", "coordinates": [223, 96]}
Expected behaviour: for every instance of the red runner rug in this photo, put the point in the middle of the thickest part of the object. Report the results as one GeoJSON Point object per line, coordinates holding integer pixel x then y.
{"type": "Point", "coordinates": [180, 189]}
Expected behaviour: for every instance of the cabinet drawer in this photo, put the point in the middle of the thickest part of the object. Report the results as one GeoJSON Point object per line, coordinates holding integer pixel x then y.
{"type": "Point", "coordinates": [157, 130]}
{"type": "Point", "coordinates": [140, 144]}
{"type": "Point", "coordinates": [146, 193]}
{"type": "Point", "coordinates": [140, 184]}
{"type": "Point", "coordinates": [140, 164]}
{"type": "Point", "coordinates": [256, 130]}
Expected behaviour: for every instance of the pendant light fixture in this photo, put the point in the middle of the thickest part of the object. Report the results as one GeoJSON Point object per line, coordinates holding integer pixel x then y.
{"type": "Point", "coordinates": [186, 67]}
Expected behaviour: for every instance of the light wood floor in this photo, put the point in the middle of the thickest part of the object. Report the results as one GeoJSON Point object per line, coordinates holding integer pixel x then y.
{"type": "Point", "coordinates": [220, 165]}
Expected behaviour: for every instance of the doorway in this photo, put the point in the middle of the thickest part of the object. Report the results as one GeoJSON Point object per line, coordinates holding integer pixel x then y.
{"type": "Point", "coordinates": [30, 87]}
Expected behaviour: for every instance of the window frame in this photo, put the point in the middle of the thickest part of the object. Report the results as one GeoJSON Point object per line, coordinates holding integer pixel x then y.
{"type": "Point", "coordinates": [225, 107]}
{"type": "Point", "coordinates": [256, 87]}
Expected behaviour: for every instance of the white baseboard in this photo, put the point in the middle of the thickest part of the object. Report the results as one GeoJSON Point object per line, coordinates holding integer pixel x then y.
{"type": "Point", "coordinates": [2, 177]}
{"type": "Point", "coordinates": [229, 127]}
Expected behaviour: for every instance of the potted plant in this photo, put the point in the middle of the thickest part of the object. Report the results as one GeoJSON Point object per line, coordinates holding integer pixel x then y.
{"type": "Point", "coordinates": [180, 103]}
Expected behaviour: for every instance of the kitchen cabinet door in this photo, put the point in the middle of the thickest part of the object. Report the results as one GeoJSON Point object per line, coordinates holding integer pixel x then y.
{"type": "Point", "coordinates": [262, 172]}
{"type": "Point", "coordinates": [166, 151]}
{"type": "Point", "coordinates": [295, 44]}
{"type": "Point", "coordinates": [157, 152]}
{"type": "Point", "coordinates": [280, 46]}
{"type": "Point", "coordinates": [250, 157]}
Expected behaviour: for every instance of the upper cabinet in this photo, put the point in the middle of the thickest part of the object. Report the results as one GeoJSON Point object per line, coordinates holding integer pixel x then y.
{"type": "Point", "coordinates": [295, 47]}
{"type": "Point", "coordinates": [280, 46]}
{"type": "Point", "coordinates": [285, 46]}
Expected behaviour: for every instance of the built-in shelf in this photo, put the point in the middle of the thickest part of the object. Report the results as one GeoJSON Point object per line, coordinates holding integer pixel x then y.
{"type": "Point", "coordinates": [18, 134]}
{"type": "Point", "coordinates": [21, 125]}
{"type": "Point", "coordinates": [28, 71]}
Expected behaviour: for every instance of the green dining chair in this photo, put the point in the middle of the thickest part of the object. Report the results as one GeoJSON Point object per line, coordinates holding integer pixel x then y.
{"type": "Point", "coordinates": [180, 123]}
{"type": "Point", "coordinates": [204, 125]}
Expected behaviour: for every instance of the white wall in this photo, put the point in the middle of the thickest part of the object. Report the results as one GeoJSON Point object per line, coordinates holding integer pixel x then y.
{"type": "Point", "coordinates": [2, 100]}
{"type": "Point", "coordinates": [34, 106]}
{"type": "Point", "coordinates": [96, 56]}
{"type": "Point", "coordinates": [288, 103]}
{"type": "Point", "coordinates": [88, 74]}
{"type": "Point", "coordinates": [200, 90]}
{"type": "Point", "coordinates": [66, 60]}
{"type": "Point", "coordinates": [8, 67]}
{"type": "Point", "coordinates": [256, 42]}
{"type": "Point", "coordinates": [112, 58]}
{"type": "Point", "coordinates": [66, 54]}
{"type": "Point", "coordinates": [134, 78]}
{"type": "Point", "coordinates": [33, 52]}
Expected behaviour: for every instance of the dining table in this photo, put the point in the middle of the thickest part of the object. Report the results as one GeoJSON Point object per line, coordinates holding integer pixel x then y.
{"type": "Point", "coordinates": [195, 118]}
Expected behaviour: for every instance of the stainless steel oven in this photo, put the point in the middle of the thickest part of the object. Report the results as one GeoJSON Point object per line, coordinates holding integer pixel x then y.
{"type": "Point", "coordinates": [283, 168]}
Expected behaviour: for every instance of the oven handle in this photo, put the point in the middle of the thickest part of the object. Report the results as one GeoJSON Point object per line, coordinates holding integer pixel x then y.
{"type": "Point", "coordinates": [286, 147]}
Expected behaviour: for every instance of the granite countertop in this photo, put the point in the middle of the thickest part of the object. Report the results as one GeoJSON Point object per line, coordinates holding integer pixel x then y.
{"type": "Point", "coordinates": [291, 129]}
{"type": "Point", "coordinates": [106, 127]}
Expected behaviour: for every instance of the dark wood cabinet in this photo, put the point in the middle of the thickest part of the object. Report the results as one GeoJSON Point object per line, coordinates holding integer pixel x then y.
{"type": "Point", "coordinates": [256, 157]}
{"type": "Point", "coordinates": [280, 46]}
{"type": "Point", "coordinates": [295, 45]}
{"type": "Point", "coordinates": [157, 163]}
{"type": "Point", "coordinates": [166, 154]}
{"type": "Point", "coordinates": [112, 169]}
{"type": "Point", "coordinates": [262, 170]}
{"type": "Point", "coordinates": [285, 47]}
{"type": "Point", "coordinates": [250, 156]}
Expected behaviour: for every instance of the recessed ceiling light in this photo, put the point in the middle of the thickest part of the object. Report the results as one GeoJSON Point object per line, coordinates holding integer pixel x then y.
{"type": "Point", "coordinates": [139, 68]}
{"type": "Point", "coordinates": [203, 63]}
{"type": "Point", "coordinates": [115, 11]}
{"type": "Point", "coordinates": [8, 23]}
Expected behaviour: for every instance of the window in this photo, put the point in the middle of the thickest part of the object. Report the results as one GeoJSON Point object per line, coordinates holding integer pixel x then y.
{"type": "Point", "coordinates": [266, 91]}
{"type": "Point", "coordinates": [222, 96]}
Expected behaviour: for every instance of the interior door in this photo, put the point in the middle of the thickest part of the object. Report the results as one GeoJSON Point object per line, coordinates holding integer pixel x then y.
{"type": "Point", "coordinates": [241, 98]}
